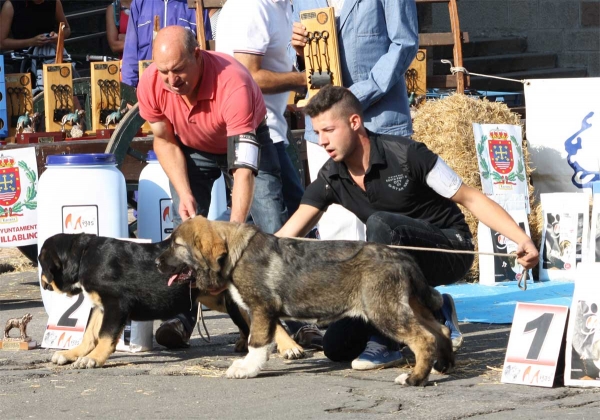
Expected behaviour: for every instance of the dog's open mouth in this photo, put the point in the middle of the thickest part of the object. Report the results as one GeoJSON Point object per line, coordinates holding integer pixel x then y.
{"type": "Point", "coordinates": [185, 275]}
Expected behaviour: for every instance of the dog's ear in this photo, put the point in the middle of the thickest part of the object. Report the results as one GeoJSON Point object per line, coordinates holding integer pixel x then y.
{"type": "Point", "coordinates": [210, 244]}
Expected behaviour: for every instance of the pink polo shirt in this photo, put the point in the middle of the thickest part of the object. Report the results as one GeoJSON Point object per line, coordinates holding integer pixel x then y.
{"type": "Point", "coordinates": [229, 103]}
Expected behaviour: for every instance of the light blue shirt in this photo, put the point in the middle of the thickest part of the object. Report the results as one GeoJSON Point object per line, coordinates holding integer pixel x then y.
{"type": "Point", "coordinates": [378, 39]}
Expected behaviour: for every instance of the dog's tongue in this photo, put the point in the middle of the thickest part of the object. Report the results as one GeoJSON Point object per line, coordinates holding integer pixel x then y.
{"type": "Point", "coordinates": [172, 279]}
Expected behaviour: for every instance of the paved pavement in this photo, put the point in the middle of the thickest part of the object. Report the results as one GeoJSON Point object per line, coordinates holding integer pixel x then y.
{"type": "Point", "coordinates": [164, 384]}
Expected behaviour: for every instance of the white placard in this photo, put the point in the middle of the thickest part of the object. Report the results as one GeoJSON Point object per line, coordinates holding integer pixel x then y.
{"type": "Point", "coordinates": [494, 269]}
{"type": "Point", "coordinates": [18, 197]}
{"type": "Point", "coordinates": [582, 358]}
{"type": "Point", "coordinates": [534, 344]}
{"type": "Point", "coordinates": [564, 136]}
{"type": "Point", "coordinates": [500, 157]}
{"type": "Point", "coordinates": [67, 321]}
{"type": "Point", "coordinates": [594, 243]}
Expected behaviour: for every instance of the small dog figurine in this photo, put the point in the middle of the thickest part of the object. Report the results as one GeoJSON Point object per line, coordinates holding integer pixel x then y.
{"type": "Point", "coordinates": [20, 323]}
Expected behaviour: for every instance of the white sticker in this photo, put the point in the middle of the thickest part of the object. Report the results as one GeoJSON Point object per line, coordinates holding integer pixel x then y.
{"type": "Point", "coordinates": [443, 180]}
{"type": "Point", "coordinates": [246, 154]}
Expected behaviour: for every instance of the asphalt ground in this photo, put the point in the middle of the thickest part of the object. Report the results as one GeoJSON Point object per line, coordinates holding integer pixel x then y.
{"type": "Point", "coordinates": [167, 384]}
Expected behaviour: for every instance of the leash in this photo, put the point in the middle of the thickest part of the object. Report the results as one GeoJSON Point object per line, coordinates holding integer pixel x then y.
{"type": "Point", "coordinates": [199, 317]}
{"type": "Point", "coordinates": [522, 279]}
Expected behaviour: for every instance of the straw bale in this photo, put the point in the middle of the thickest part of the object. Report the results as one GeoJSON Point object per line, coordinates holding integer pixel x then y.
{"type": "Point", "coordinates": [445, 126]}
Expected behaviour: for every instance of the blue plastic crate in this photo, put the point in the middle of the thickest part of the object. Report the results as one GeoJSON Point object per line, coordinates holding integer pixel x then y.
{"type": "Point", "coordinates": [2, 68]}
{"type": "Point", "coordinates": [511, 99]}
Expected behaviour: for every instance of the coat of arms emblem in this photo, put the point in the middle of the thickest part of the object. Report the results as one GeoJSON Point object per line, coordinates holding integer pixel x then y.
{"type": "Point", "coordinates": [10, 181]}
{"type": "Point", "coordinates": [501, 155]}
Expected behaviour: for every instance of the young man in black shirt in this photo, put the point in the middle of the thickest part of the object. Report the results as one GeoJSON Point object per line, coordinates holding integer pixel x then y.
{"type": "Point", "coordinates": [406, 195]}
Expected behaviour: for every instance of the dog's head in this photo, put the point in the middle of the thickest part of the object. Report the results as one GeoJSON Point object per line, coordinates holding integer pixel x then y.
{"type": "Point", "coordinates": [59, 260]}
{"type": "Point", "coordinates": [205, 250]}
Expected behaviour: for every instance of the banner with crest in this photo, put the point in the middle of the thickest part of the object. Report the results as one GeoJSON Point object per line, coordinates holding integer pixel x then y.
{"type": "Point", "coordinates": [18, 202]}
{"type": "Point", "coordinates": [500, 157]}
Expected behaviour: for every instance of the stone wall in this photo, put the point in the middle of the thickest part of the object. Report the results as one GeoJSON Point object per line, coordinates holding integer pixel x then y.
{"type": "Point", "coordinates": [568, 28]}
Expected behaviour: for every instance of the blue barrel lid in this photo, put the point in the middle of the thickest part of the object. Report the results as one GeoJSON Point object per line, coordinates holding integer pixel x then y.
{"type": "Point", "coordinates": [151, 156]}
{"type": "Point", "coordinates": [78, 159]}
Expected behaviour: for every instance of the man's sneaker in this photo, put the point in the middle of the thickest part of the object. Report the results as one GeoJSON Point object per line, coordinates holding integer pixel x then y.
{"type": "Point", "coordinates": [310, 337]}
{"type": "Point", "coordinates": [451, 321]}
{"type": "Point", "coordinates": [173, 335]}
{"type": "Point", "coordinates": [377, 356]}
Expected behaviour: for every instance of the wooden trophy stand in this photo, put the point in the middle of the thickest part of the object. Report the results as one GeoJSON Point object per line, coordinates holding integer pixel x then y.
{"type": "Point", "coordinates": [104, 98]}
{"type": "Point", "coordinates": [321, 53]}
{"type": "Point", "coordinates": [59, 76]}
{"type": "Point", "coordinates": [19, 100]}
{"type": "Point", "coordinates": [416, 76]}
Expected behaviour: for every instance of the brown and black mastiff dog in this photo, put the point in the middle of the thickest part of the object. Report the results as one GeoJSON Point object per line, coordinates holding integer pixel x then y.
{"type": "Point", "coordinates": [121, 279]}
{"type": "Point", "coordinates": [312, 280]}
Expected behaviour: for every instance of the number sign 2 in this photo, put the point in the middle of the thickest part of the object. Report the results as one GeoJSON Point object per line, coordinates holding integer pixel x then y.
{"type": "Point", "coordinates": [67, 322]}
{"type": "Point", "coordinates": [534, 344]}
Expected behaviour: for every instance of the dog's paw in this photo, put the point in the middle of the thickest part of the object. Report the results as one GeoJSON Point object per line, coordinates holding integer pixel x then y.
{"type": "Point", "coordinates": [60, 358]}
{"type": "Point", "coordinates": [411, 380]}
{"type": "Point", "coordinates": [241, 345]}
{"type": "Point", "coordinates": [241, 370]}
{"type": "Point", "coordinates": [86, 363]}
{"type": "Point", "coordinates": [402, 379]}
{"type": "Point", "coordinates": [442, 368]}
{"type": "Point", "coordinates": [293, 353]}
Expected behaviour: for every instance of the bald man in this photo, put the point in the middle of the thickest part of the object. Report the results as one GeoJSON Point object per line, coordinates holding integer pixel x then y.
{"type": "Point", "coordinates": [208, 117]}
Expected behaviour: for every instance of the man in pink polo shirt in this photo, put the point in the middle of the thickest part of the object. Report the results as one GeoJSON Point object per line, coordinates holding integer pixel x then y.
{"type": "Point", "coordinates": [208, 117]}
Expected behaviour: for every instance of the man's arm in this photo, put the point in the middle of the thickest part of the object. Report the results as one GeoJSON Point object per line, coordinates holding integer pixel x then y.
{"type": "Point", "coordinates": [172, 160]}
{"type": "Point", "coordinates": [269, 81]}
{"type": "Point", "coordinates": [403, 32]}
{"type": "Point", "coordinates": [301, 222]}
{"type": "Point", "coordinates": [241, 194]}
{"type": "Point", "coordinates": [60, 17]}
{"type": "Point", "coordinates": [495, 217]}
{"type": "Point", "coordinates": [129, 66]}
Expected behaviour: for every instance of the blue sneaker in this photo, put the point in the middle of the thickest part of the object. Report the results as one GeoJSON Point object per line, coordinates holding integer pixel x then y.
{"type": "Point", "coordinates": [451, 321]}
{"type": "Point", "coordinates": [377, 356]}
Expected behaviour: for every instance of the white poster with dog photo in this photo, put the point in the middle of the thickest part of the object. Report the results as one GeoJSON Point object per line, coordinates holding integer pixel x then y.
{"type": "Point", "coordinates": [495, 269]}
{"type": "Point", "coordinates": [582, 357]}
{"type": "Point", "coordinates": [500, 157]}
{"type": "Point", "coordinates": [564, 234]}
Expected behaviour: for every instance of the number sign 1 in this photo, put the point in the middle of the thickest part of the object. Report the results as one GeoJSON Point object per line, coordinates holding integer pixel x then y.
{"type": "Point", "coordinates": [534, 344]}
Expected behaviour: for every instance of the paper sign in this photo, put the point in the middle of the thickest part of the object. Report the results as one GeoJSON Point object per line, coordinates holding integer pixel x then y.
{"type": "Point", "coordinates": [534, 344]}
{"type": "Point", "coordinates": [18, 197]}
{"type": "Point", "coordinates": [67, 322]}
{"type": "Point", "coordinates": [582, 358]}
{"type": "Point", "coordinates": [500, 157]}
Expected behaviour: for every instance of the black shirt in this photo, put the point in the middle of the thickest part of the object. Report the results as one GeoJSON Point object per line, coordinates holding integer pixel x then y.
{"type": "Point", "coordinates": [32, 19]}
{"type": "Point", "coordinates": [394, 182]}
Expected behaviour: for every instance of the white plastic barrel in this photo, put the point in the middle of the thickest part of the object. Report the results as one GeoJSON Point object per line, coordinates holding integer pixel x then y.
{"type": "Point", "coordinates": [155, 212]}
{"type": "Point", "coordinates": [80, 193]}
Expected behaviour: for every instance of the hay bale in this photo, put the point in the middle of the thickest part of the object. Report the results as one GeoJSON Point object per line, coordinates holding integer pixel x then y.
{"type": "Point", "coordinates": [445, 126]}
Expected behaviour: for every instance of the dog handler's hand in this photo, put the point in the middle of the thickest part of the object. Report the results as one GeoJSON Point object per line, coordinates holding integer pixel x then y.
{"type": "Point", "coordinates": [527, 254]}
{"type": "Point", "coordinates": [299, 39]}
{"type": "Point", "coordinates": [187, 207]}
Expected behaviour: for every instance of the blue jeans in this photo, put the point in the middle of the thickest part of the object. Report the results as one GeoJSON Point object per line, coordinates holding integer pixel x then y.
{"type": "Point", "coordinates": [346, 339]}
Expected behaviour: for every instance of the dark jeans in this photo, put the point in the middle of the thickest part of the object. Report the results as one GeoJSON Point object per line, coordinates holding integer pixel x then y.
{"type": "Point", "coordinates": [346, 339]}
{"type": "Point", "coordinates": [292, 187]}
